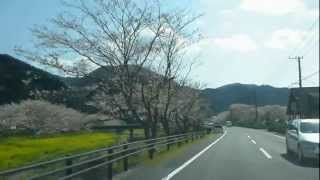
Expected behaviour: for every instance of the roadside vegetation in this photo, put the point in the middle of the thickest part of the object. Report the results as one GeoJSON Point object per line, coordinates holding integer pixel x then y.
{"type": "Point", "coordinates": [36, 130]}
{"type": "Point", "coordinates": [21, 150]}
{"type": "Point", "coordinates": [135, 56]}
{"type": "Point", "coordinates": [38, 117]}
{"type": "Point", "coordinates": [134, 63]}
{"type": "Point", "coordinates": [271, 117]}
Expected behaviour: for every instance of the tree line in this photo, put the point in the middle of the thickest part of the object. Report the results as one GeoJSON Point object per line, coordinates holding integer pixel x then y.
{"type": "Point", "coordinates": [143, 45]}
{"type": "Point", "coordinates": [270, 117]}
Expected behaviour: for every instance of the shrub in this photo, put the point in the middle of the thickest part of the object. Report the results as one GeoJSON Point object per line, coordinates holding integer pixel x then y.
{"type": "Point", "coordinates": [40, 117]}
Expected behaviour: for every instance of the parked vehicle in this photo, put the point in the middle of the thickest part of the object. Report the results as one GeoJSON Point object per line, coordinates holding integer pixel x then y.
{"type": "Point", "coordinates": [302, 138]}
{"type": "Point", "coordinates": [218, 129]}
{"type": "Point", "coordinates": [228, 123]}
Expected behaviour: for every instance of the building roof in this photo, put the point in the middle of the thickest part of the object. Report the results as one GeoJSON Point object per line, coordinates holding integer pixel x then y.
{"type": "Point", "coordinates": [304, 102]}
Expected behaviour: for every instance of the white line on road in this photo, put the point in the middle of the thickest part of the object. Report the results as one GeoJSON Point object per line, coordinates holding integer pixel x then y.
{"type": "Point", "coordinates": [253, 141]}
{"type": "Point", "coordinates": [249, 137]}
{"type": "Point", "coordinates": [265, 153]}
{"type": "Point", "coordinates": [274, 135]}
{"type": "Point", "coordinates": [176, 171]}
{"type": "Point", "coordinates": [281, 137]}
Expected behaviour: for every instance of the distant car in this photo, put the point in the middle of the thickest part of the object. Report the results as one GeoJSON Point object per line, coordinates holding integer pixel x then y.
{"type": "Point", "coordinates": [302, 138]}
{"type": "Point", "coordinates": [210, 124]}
{"type": "Point", "coordinates": [228, 123]}
{"type": "Point", "coordinates": [218, 129]}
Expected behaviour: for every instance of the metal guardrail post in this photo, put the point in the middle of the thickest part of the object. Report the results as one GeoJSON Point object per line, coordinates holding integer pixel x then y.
{"type": "Point", "coordinates": [151, 151]}
{"type": "Point", "coordinates": [131, 135]}
{"type": "Point", "coordinates": [110, 151]}
{"type": "Point", "coordinates": [68, 163]}
{"type": "Point", "coordinates": [168, 145]}
{"type": "Point", "coordinates": [125, 160]}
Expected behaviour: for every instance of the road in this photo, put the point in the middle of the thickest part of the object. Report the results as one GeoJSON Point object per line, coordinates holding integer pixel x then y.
{"type": "Point", "coordinates": [246, 154]}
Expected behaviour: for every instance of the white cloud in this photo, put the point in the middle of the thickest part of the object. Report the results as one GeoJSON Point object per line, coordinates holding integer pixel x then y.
{"type": "Point", "coordinates": [147, 34]}
{"type": "Point", "coordinates": [273, 7]}
{"type": "Point", "coordinates": [237, 43]}
{"type": "Point", "coordinates": [285, 38]}
{"type": "Point", "coordinates": [309, 13]}
{"type": "Point", "coordinates": [240, 43]}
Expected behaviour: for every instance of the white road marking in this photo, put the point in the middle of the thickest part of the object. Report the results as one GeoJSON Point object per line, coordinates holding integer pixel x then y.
{"type": "Point", "coordinates": [274, 135]}
{"type": "Point", "coordinates": [253, 141]}
{"type": "Point", "coordinates": [281, 137]}
{"type": "Point", "coordinates": [249, 137]}
{"type": "Point", "coordinates": [176, 171]}
{"type": "Point", "coordinates": [265, 153]}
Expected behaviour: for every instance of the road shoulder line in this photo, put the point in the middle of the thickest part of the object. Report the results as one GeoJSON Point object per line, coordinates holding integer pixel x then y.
{"type": "Point", "coordinates": [281, 137]}
{"type": "Point", "coordinates": [177, 170]}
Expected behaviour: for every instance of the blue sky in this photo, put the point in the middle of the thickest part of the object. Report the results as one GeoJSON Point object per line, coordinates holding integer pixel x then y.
{"type": "Point", "coordinates": [246, 41]}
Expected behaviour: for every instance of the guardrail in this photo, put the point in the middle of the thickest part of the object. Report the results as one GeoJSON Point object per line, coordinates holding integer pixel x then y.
{"type": "Point", "coordinates": [76, 165]}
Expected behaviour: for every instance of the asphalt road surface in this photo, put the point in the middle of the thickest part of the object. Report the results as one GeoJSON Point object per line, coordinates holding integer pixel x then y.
{"type": "Point", "coordinates": [246, 154]}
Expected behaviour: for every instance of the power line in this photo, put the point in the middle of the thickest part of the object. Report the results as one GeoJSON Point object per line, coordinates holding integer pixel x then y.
{"type": "Point", "coordinates": [310, 48]}
{"type": "Point", "coordinates": [306, 41]}
{"type": "Point", "coordinates": [305, 38]}
{"type": "Point", "coordinates": [310, 75]}
{"type": "Point", "coordinates": [305, 78]}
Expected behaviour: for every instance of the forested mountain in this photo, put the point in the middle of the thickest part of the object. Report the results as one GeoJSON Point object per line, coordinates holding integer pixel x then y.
{"type": "Point", "coordinates": [221, 98]}
{"type": "Point", "coordinates": [18, 79]}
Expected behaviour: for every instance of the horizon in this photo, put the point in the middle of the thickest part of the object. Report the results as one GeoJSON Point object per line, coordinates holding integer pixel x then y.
{"type": "Point", "coordinates": [204, 88]}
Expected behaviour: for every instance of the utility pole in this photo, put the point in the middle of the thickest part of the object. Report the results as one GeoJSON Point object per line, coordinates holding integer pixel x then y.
{"type": "Point", "coordinates": [256, 105]}
{"type": "Point", "coordinates": [298, 58]}
{"type": "Point", "coordinates": [231, 114]}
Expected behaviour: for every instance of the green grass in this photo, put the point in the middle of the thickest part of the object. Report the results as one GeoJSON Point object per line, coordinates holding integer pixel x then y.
{"type": "Point", "coordinates": [17, 151]}
{"type": "Point", "coordinates": [21, 150]}
{"type": "Point", "coordinates": [137, 133]}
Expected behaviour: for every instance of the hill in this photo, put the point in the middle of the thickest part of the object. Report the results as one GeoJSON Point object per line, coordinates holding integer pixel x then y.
{"type": "Point", "coordinates": [91, 79]}
{"type": "Point", "coordinates": [106, 73]}
{"type": "Point", "coordinates": [18, 79]}
{"type": "Point", "coordinates": [221, 98]}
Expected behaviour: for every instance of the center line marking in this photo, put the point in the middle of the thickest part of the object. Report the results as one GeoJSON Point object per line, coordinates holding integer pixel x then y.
{"type": "Point", "coordinates": [253, 141]}
{"type": "Point", "coordinates": [265, 153]}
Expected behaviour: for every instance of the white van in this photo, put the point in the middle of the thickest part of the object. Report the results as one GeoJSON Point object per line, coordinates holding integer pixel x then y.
{"type": "Point", "coordinates": [302, 138]}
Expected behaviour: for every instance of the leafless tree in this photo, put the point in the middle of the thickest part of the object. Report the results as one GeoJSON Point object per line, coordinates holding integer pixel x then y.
{"type": "Point", "coordinates": [187, 110]}
{"type": "Point", "coordinates": [41, 117]}
{"type": "Point", "coordinates": [222, 117]}
{"type": "Point", "coordinates": [122, 38]}
{"type": "Point", "coordinates": [271, 116]}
